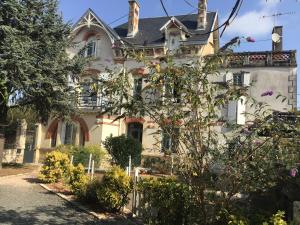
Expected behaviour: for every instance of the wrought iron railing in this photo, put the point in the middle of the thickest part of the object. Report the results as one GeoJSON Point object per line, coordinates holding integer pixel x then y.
{"type": "Point", "coordinates": [93, 102]}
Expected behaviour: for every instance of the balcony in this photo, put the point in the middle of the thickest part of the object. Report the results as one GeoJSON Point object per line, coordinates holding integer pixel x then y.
{"type": "Point", "coordinates": [93, 102]}
{"type": "Point", "coordinates": [261, 59]}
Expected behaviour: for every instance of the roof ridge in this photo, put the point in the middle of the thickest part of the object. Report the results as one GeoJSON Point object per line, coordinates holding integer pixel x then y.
{"type": "Point", "coordinates": [165, 16]}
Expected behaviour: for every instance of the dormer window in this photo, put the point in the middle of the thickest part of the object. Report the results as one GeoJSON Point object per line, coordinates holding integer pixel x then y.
{"type": "Point", "coordinates": [174, 42]}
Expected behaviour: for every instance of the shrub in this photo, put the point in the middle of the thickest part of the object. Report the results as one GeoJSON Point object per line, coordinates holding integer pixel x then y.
{"type": "Point", "coordinates": [165, 202]}
{"type": "Point", "coordinates": [114, 190]}
{"type": "Point", "coordinates": [56, 166]}
{"type": "Point", "coordinates": [81, 154]}
{"type": "Point", "coordinates": [78, 181]}
{"type": "Point", "coordinates": [91, 191]}
{"type": "Point", "coordinates": [121, 148]}
{"type": "Point", "coordinates": [277, 219]}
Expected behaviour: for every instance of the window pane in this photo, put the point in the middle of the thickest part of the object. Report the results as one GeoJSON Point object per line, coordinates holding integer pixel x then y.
{"type": "Point", "coordinates": [170, 139]}
{"type": "Point", "coordinates": [238, 79]}
{"type": "Point", "coordinates": [91, 48]}
{"type": "Point", "coordinates": [70, 134]}
{"type": "Point", "coordinates": [137, 88]}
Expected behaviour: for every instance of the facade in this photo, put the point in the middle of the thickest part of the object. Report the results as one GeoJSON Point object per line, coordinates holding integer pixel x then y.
{"type": "Point", "coordinates": [189, 37]}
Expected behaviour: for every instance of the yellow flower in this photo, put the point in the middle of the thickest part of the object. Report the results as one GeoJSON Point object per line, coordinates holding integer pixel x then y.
{"type": "Point", "coordinates": [157, 67]}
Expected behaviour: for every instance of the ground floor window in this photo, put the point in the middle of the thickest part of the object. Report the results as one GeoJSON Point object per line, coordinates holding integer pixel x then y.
{"type": "Point", "coordinates": [135, 130]}
{"type": "Point", "coordinates": [70, 134]}
{"type": "Point", "coordinates": [170, 139]}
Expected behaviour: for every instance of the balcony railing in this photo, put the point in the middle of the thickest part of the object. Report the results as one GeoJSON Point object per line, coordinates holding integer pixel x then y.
{"type": "Point", "coordinates": [96, 102]}
{"type": "Point", "coordinates": [261, 59]}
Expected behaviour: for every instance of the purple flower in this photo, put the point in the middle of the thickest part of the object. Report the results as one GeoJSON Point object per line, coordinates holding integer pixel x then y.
{"type": "Point", "coordinates": [267, 93]}
{"type": "Point", "coordinates": [257, 143]}
{"type": "Point", "coordinates": [293, 172]}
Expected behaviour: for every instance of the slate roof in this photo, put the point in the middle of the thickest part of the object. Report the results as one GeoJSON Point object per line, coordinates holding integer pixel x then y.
{"type": "Point", "coordinates": [150, 35]}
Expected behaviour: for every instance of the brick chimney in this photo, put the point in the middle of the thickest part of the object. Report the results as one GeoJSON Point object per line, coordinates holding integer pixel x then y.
{"type": "Point", "coordinates": [202, 15]}
{"type": "Point", "coordinates": [277, 39]}
{"type": "Point", "coordinates": [133, 19]}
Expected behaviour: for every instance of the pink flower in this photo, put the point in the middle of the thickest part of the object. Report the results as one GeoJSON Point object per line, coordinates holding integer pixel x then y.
{"type": "Point", "coordinates": [293, 172]}
{"type": "Point", "coordinates": [250, 39]}
{"type": "Point", "coordinates": [267, 93]}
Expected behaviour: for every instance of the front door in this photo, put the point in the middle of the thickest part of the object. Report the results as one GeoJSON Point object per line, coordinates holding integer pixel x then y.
{"type": "Point", "coordinates": [29, 147]}
{"type": "Point", "coordinates": [135, 130]}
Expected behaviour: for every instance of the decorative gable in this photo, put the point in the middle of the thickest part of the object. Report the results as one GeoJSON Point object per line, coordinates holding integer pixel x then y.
{"type": "Point", "coordinates": [89, 20]}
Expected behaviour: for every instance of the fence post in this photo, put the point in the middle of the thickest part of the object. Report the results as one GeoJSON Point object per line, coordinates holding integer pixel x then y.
{"type": "Point", "coordinates": [129, 166]}
{"type": "Point", "coordinates": [90, 162]}
{"type": "Point", "coordinates": [135, 202]}
{"type": "Point", "coordinates": [72, 158]}
{"type": "Point", "coordinates": [93, 169]}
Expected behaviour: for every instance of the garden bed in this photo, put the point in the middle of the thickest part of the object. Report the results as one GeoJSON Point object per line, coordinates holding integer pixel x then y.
{"type": "Point", "coordinates": [110, 218]}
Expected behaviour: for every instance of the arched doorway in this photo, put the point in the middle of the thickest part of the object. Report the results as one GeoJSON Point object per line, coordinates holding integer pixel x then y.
{"type": "Point", "coordinates": [135, 130]}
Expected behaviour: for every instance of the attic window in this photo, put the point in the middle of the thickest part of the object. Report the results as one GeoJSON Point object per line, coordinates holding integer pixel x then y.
{"type": "Point", "coordinates": [174, 42]}
{"type": "Point", "coordinates": [91, 48]}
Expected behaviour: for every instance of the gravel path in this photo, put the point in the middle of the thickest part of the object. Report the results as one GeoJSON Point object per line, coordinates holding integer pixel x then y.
{"type": "Point", "coordinates": [22, 201]}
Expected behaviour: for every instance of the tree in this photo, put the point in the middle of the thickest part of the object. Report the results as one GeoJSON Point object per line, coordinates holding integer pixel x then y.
{"type": "Point", "coordinates": [34, 64]}
{"type": "Point", "coordinates": [190, 98]}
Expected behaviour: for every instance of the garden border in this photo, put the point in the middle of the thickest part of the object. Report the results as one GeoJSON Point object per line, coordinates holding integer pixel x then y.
{"type": "Point", "coordinates": [99, 216]}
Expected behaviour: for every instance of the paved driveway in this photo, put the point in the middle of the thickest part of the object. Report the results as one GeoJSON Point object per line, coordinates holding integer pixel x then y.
{"type": "Point", "coordinates": [24, 202]}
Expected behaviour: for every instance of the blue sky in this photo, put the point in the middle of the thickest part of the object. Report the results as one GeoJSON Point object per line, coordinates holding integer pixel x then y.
{"type": "Point", "coordinates": [248, 23]}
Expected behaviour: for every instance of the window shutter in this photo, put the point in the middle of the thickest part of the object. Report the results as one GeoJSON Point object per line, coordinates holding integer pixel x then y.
{"type": "Point", "coordinates": [228, 77]}
{"type": "Point", "coordinates": [241, 109]}
{"type": "Point", "coordinates": [232, 111]}
{"type": "Point", "coordinates": [247, 79]}
{"type": "Point", "coordinates": [98, 46]}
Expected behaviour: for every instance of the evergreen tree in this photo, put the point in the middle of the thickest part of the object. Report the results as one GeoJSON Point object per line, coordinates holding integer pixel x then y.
{"type": "Point", "coordinates": [34, 64]}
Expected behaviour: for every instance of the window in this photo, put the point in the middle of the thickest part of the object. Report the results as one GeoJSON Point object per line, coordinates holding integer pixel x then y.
{"type": "Point", "coordinates": [70, 134]}
{"type": "Point", "coordinates": [89, 96]}
{"type": "Point", "coordinates": [172, 90]}
{"type": "Point", "coordinates": [91, 48]}
{"type": "Point", "coordinates": [170, 139]}
{"type": "Point", "coordinates": [241, 79]}
{"type": "Point", "coordinates": [174, 42]}
{"type": "Point", "coordinates": [238, 79]}
{"type": "Point", "coordinates": [137, 88]}
{"type": "Point", "coordinates": [135, 130]}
